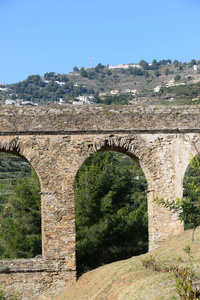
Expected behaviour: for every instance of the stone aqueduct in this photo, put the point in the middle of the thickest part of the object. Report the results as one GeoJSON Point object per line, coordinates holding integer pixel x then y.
{"type": "Point", "coordinates": [56, 141]}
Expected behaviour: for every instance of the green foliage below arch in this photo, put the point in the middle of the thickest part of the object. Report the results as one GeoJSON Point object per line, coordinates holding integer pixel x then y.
{"type": "Point", "coordinates": [111, 210]}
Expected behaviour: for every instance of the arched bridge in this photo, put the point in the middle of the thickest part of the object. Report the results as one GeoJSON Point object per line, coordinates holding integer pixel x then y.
{"type": "Point", "coordinates": [56, 142]}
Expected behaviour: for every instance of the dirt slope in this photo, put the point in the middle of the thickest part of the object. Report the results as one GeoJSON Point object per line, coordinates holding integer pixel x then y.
{"type": "Point", "coordinates": [128, 279]}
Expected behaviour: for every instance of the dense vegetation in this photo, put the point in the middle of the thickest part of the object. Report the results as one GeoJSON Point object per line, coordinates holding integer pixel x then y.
{"type": "Point", "coordinates": [185, 93]}
{"type": "Point", "coordinates": [191, 212]}
{"type": "Point", "coordinates": [113, 99]}
{"type": "Point", "coordinates": [20, 219]}
{"type": "Point", "coordinates": [111, 210]}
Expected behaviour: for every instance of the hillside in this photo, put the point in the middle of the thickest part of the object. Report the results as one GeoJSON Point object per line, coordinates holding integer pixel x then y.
{"type": "Point", "coordinates": [129, 279]}
{"type": "Point", "coordinates": [129, 83]}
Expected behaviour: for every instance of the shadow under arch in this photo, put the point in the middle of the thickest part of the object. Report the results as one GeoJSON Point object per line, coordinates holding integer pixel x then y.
{"type": "Point", "coordinates": [21, 214]}
{"type": "Point", "coordinates": [128, 211]}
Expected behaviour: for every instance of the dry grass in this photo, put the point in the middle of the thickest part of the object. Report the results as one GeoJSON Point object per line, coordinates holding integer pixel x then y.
{"type": "Point", "coordinates": [128, 279]}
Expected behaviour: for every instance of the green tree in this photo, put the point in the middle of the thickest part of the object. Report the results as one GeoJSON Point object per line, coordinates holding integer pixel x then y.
{"type": "Point", "coordinates": [177, 77]}
{"type": "Point", "coordinates": [83, 72]}
{"type": "Point", "coordinates": [75, 69]}
{"type": "Point", "coordinates": [99, 67]}
{"type": "Point", "coordinates": [144, 64]}
{"type": "Point", "coordinates": [155, 65]}
{"type": "Point", "coordinates": [63, 78]}
{"type": "Point", "coordinates": [14, 97]}
{"type": "Point", "coordinates": [165, 62]}
{"type": "Point", "coordinates": [167, 71]}
{"type": "Point", "coordinates": [91, 75]}
{"type": "Point", "coordinates": [146, 73]}
{"type": "Point", "coordinates": [108, 72]}
{"type": "Point", "coordinates": [136, 71]}
{"type": "Point", "coordinates": [49, 75]}
{"type": "Point", "coordinates": [193, 62]}
{"type": "Point", "coordinates": [111, 210]}
{"type": "Point", "coordinates": [20, 230]}
{"type": "Point", "coordinates": [34, 79]}
{"type": "Point", "coordinates": [176, 63]}
{"type": "Point", "coordinates": [157, 73]}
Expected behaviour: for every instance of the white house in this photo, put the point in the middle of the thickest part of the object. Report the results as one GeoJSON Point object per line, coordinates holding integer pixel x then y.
{"type": "Point", "coordinates": [124, 66]}
{"type": "Point", "coordinates": [80, 100]}
{"type": "Point", "coordinates": [157, 89]}
{"type": "Point", "coordinates": [60, 82]}
{"type": "Point", "coordinates": [115, 92]}
{"type": "Point", "coordinates": [10, 102]}
{"type": "Point", "coordinates": [28, 103]}
{"type": "Point", "coordinates": [77, 102]}
{"type": "Point", "coordinates": [195, 67]}
{"type": "Point", "coordinates": [129, 91]}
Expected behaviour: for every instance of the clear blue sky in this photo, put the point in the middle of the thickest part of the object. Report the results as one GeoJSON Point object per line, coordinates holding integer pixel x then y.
{"type": "Point", "coordinates": [39, 36]}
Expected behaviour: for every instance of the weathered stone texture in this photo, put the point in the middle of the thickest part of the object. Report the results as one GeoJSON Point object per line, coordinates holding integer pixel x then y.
{"type": "Point", "coordinates": [57, 141]}
{"type": "Point", "coordinates": [98, 118]}
{"type": "Point", "coordinates": [36, 278]}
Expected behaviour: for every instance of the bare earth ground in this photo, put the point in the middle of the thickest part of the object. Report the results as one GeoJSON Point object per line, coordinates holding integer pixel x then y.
{"type": "Point", "coordinates": [128, 279]}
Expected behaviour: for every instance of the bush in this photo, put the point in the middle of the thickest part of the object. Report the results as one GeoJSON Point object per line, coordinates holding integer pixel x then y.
{"type": "Point", "coordinates": [7, 296]}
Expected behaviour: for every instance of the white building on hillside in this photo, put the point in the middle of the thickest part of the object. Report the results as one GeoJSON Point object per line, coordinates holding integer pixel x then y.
{"type": "Point", "coordinates": [157, 89]}
{"type": "Point", "coordinates": [115, 92]}
{"type": "Point", "coordinates": [10, 102]}
{"type": "Point", "coordinates": [80, 100]}
{"type": "Point", "coordinates": [129, 91]}
{"type": "Point", "coordinates": [124, 66]}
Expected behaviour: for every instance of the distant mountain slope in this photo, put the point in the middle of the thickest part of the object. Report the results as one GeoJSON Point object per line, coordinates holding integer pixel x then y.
{"type": "Point", "coordinates": [136, 82]}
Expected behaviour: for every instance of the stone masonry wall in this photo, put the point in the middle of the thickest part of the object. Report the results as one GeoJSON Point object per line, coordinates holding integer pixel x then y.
{"type": "Point", "coordinates": [35, 278]}
{"type": "Point", "coordinates": [120, 118]}
{"type": "Point", "coordinates": [56, 142]}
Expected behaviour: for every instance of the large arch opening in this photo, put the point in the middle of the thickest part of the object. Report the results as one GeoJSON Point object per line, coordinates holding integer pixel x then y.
{"type": "Point", "coordinates": [191, 189]}
{"type": "Point", "coordinates": [111, 210]}
{"type": "Point", "coordinates": [20, 208]}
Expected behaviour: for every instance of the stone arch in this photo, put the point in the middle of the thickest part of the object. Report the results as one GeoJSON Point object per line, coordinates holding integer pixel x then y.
{"type": "Point", "coordinates": [13, 147]}
{"type": "Point", "coordinates": [16, 147]}
{"type": "Point", "coordinates": [190, 149]}
{"type": "Point", "coordinates": [133, 146]}
{"type": "Point", "coordinates": [92, 181]}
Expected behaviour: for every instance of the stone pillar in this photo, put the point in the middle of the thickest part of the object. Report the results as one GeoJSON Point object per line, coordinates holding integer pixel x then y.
{"type": "Point", "coordinates": [56, 168]}
{"type": "Point", "coordinates": [168, 168]}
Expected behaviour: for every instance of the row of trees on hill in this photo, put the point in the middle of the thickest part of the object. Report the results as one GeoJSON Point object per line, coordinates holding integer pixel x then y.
{"type": "Point", "coordinates": [157, 64]}
{"type": "Point", "coordinates": [34, 88]}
